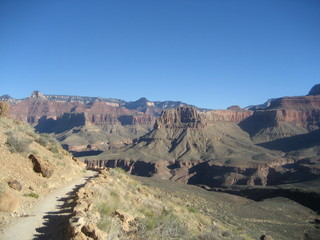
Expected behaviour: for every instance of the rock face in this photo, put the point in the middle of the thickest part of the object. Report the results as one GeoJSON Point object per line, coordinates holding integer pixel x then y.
{"type": "Point", "coordinates": [218, 147]}
{"type": "Point", "coordinates": [99, 110]}
{"type": "Point", "coordinates": [315, 90]}
{"type": "Point", "coordinates": [121, 121]}
{"type": "Point", "coordinates": [41, 166]}
{"type": "Point", "coordinates": [233, 115]}
{"type": "Point", "coordinates": [181, 117]}
{"type": "Point", "coordinates": [285, 117]}
{"type": "Point", "coordinates": [184, 146]}
{"type": "Point", "coordinates": [57, 114]}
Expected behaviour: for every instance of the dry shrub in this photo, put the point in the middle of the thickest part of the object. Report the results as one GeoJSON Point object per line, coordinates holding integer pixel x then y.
{"type": "Point", "coordinates": [4, 108]}
{"type": "Point", "coordinates": [16, 143]}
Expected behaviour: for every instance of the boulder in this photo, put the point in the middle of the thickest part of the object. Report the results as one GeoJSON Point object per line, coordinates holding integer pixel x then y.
{"type": "Point", "coordinates": [266, 237]}
{"type": "Point", "coordinates": [9, 202]}
{"type": "Point", "coordinates": [79, 236]}
{"type": "Point", "coordinates": [125, 219]}
{"type": "Point", "coordinates": [41, 166]}
{"type": "Point", "coordinates": [14, 184]}
{"type": "Point", "coordinates": [76, 224]}
{"type": "Point", "coordinates": [92, 231]}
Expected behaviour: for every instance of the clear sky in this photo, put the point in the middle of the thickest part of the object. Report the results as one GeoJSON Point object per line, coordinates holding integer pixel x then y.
{"type": "Point", "coordinates": [209, 53]}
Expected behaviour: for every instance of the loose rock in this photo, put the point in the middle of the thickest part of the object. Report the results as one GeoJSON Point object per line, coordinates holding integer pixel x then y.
{"type": "Point", "coordinates": [14, 184]}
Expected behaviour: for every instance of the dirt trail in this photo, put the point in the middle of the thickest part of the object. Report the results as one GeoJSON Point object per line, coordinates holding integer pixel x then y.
{"type": "Point", "coordinates": [48, 220]}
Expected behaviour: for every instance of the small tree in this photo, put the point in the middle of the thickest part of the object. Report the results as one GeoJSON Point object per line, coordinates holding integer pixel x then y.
{"type": "Point", "coordinates": [4, 108]}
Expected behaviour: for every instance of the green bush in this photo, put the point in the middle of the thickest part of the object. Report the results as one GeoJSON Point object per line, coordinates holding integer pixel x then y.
{"type": "Point", "coordinates": [191, 209]}
{"type": "Point", "coordinates": [33, 195]}
{"type": "Point", "coordinates": [16, 143]}
{"type": "Point", "coordinates": [54, 149]}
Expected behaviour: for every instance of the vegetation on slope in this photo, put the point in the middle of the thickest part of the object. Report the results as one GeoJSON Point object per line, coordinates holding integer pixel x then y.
{"type": "Point", "coordinates": [116, 205]}
{"type": "Point", "coordinates": [20, 184]}
{"type": "Point", "coordinates": [123, 208]}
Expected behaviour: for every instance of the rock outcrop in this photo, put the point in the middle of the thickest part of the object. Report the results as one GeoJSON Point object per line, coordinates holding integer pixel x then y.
{"type": "Point", "coordinates": [185, 146]}
{"type": "Point", "coordinates": [285, 117]}
{"type": "Point", "coordinates": [41, 166]}
{"type": "Point", "coordinates": [315, 90]}
{"type": "Point", "coordinates": [181, 117]}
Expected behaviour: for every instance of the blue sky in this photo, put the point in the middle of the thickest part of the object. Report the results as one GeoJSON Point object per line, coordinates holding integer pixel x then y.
{"type": "Point", "coordinates": [210, 53]}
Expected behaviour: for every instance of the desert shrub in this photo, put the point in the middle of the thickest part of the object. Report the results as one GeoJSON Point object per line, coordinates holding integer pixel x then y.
{"type": "Point", "coordinates": [191, 209]}
{"type": "Point", "coordinates": [163, 226]}
{"type": "Point", "coordinates": [48, 141]}
{"type": "Point", "coordinates": [16, 143]}
{"type": "Point", "coordinates": [27, 129]}
{"type": "Point", "coordinates": [33, 195]}
{"type": "Point", "coordinates": [54, 149]}
{"type": "Point", "coordinates": [105, 209]}
{"type": "Point", "coordinates": [43, 139]}
{"type": "Point", "coordinates": [4, 108]}
{"type": "Point", "coordinates": [208, 236]}
{"type": "Point", "coordinates": [117, 172]}
{"type": "Point", "coordinates": [58, 156]}
{"type": "Point", "coordinates": [120, 170]}
{"type": "Point", "coordinates": [111, 226]}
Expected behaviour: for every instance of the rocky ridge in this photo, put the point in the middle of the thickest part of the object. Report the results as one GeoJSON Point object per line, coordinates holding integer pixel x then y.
{"type": "Point", "coordinates": [121, 121]}
{"type": "Point", "coordinates": [212, 147]}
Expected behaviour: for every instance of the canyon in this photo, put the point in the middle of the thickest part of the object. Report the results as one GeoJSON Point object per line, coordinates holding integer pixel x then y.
{"type": "Point", "coordinates": [180, 142]}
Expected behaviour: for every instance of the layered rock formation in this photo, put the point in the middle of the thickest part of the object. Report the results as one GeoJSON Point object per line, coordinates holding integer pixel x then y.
{"type": "Point", "coordinates": [285, 117]}
{"type": "Point", "coordinates": [184, 146]}
{"type": "Point", "coordinates": [119, 122]}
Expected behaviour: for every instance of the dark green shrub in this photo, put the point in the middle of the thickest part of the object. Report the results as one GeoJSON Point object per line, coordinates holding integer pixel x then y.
{"type": "Point", "coordinates": [33, 195]}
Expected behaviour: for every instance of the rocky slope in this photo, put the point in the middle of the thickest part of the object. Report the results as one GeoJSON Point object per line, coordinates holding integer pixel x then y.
{"type": "Point", "coordinates": [116, 205]}
{"type": "Point", "coordinates": [32, 165]}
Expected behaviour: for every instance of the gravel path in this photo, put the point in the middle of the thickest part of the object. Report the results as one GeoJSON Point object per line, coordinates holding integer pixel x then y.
{"type": "Point", "coordinates": [48, 220]}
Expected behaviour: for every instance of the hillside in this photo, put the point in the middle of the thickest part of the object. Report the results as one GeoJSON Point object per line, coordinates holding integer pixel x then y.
{"type": "Point", "coordinates": [32, 165]}
{"type": "Point", "coordinates": [116, 205]}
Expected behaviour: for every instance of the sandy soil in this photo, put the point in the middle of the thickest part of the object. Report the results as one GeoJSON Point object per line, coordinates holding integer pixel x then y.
{"type": "Point", "coordinates": [49, 218]}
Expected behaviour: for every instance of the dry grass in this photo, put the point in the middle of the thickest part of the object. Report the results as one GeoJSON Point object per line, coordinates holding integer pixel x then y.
{"type": "Point", "coordinates": [128, 209]}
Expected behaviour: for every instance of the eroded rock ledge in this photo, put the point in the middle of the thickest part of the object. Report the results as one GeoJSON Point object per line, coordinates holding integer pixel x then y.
{"type": "Point", "coordinates": [208, 173]}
